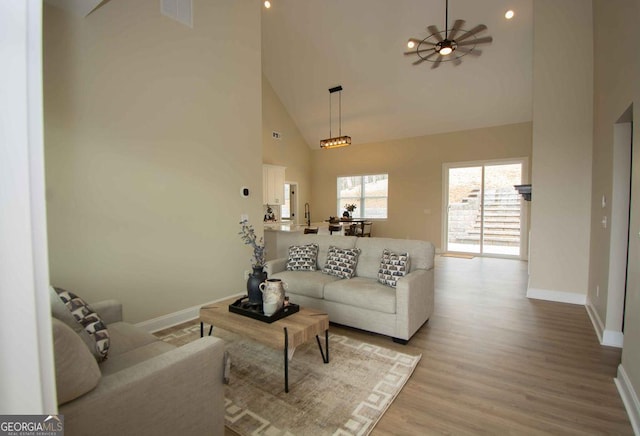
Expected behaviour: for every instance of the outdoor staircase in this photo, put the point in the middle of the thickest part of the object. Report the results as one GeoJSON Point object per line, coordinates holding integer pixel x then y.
{"type": "Point", "coordinates": [502, 219]}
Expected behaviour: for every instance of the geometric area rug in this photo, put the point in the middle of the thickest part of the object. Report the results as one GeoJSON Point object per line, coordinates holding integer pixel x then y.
{"type": "Point", "coordinates": [346, 396]}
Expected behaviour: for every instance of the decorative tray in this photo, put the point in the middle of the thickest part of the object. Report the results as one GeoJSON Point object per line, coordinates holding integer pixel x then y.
{"type": "Point", "coordinates": [243, 307]}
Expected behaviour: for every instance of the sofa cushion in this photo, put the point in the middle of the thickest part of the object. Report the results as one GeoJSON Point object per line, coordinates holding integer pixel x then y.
{"type": "Point", "coordinates": [287, 239]}
{"type": "Point", "coordinates": [126, 337]}
{"type": "Point", "coordinates": [135, 356]}
{"type": "Point", "coordinates": [89, 320]}
{"type": "Point", "coordinates": [341, 262]}
{"type": "Point", "coordinates": [363, 293]}
{"type": "Point", "coordinates": [302, 257]}
{"type": "Point", "coordinates": [77, 371]}
{"type": "Point", "coordinates": [420, 252]}
{"type": "Point", "coordinates": [392, 267]}
{"type": "Point", "coordinates": [307, 283]}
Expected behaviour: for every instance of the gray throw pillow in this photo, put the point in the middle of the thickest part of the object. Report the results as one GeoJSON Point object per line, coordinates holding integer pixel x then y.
{"type": "Point", "coordinates": [393, 266]}
{"type": "Point", "coordinates": [341, 262]}
{"type": "Point", "coordinates": [78, 315]}
{"type": "Point", "coordinates": [302, 257]}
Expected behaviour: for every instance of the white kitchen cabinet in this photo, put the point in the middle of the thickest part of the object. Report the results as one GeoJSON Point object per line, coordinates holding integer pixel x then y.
{"type": "Point", "coordinates": [273, 184]}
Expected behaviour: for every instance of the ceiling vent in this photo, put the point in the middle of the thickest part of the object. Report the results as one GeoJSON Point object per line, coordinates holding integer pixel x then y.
{"type": "Point", "coordinates": [179, 10]}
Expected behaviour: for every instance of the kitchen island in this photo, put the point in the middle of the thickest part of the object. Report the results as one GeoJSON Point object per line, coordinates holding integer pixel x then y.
{"type": "Point", "coordinates": [273, 229]}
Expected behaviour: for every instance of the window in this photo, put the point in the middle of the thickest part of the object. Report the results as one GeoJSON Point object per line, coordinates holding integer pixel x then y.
{"type": "Point", "coordinates": [368, 193]}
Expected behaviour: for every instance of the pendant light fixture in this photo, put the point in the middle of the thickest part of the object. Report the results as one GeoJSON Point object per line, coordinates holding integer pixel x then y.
{"type": "Point", "coordinates": [338, 141]}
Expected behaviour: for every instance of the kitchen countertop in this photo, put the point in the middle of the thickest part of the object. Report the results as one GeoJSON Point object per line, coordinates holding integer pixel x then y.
{"type": "Point", "coordinates": [288, 227]}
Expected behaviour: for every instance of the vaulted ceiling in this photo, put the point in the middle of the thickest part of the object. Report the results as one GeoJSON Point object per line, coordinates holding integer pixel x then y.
{"type": "Point", "coordinates": [309, 46]}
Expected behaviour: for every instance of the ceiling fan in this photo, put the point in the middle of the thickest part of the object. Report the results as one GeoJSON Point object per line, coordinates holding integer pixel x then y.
{"type": "Point", "coordinates": [448, 45]}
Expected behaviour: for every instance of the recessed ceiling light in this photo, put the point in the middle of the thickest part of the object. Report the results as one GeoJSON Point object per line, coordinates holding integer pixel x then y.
{"type": "Point", "coordinates": [267, 4]}
{"type": "Point", "coordinates": [411, 44]}
{"type": "Point", "coordinates": [509, 14]}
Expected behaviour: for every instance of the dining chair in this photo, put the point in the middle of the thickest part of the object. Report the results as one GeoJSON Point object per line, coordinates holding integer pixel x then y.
{"type": "Point", "coordinates": [365, 230]}
{"type": "Point", "coordinates": [351, 230]}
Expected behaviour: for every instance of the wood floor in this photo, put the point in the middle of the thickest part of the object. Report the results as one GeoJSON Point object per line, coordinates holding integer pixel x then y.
{"type": "Point", "coordinates": [495, 362]}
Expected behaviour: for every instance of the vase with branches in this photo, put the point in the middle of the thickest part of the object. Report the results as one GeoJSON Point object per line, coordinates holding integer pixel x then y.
{"type": "Point", "coordinates": [258, 260]}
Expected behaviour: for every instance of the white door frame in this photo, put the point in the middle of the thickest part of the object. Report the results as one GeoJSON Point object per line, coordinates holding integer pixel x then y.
{"type": "Point", "coordinates": [26, 364]}
{"type": "Point", "coordinates": [619, 225]}
{"type": "Point", "coordinates": [294, 204]}
{"type": "Point", "coordinates": [524, 228]}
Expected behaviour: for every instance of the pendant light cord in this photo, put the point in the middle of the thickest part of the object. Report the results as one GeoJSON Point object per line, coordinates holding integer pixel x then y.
{"type": "Point", "coordinates": [340, 114]}
{"type": "Point", "coordinates": [446, 20]}
{"type": "Point", "coordinates": [330, 136]}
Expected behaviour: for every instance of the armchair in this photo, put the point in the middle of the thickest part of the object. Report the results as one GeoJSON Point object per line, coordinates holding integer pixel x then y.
{"type": "Point", "coordinates": [144, 387]}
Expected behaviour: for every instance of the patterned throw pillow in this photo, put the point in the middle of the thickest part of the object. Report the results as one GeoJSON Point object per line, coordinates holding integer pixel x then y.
{"type": "Point", "coordinates": [393, 266]}
{"type": "Point", "coordinates": [341, 262]}
{"type": "Point", "coordinates": [89, 320]}
{"type": "Point", "coordinates": [302, 257]}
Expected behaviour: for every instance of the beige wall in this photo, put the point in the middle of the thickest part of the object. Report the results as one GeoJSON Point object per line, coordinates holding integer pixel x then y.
{"type": "Point", "coordinates": [615, 74]}
{"type": "Point", "coordinates": [562, 144]}
{"type": "Point", "coordinates": [414, 166]}
{"type": "Point", "coordinates": [291, 150]}
{"type": "Point", "coordinates": [617, 69]}
{"type": "Point", "coordinates": [151, 130]}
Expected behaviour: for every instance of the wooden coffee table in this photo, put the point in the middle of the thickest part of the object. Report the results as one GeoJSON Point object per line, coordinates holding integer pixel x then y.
{"type": "Point", "coordinates": [285, 334]}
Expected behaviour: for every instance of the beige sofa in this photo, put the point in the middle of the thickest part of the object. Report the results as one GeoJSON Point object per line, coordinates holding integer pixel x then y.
{"type": "Point", "coordinates": [144, 387]}
{"type": "Point", "coordinates": [362, 301]}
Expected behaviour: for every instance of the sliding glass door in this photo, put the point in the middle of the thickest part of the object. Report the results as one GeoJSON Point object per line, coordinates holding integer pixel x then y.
{"type": "Point", "coordinates": [483, 210]}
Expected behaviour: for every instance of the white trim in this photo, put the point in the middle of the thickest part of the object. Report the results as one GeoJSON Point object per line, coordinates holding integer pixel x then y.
{"type": "Point", "coordinates": [557, 296]}
{"type": "Point", "coordinates": [619, 226]}
{"type": "Point", "coordinates": [175, 318]}
{"type": "Point", "coordinates": [606, 337]}
{"type": "Point", "coordinates": [27, 371]}
{"type": "Point", "coordinates": [612, 338]}
{"type": "Point", "coordinates": [598, 326]}
{"type": "Point", "coordinates": [629, 398]}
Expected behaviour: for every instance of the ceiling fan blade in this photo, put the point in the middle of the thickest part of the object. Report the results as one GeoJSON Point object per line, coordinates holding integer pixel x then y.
{"type": "Point", "coordinates": [469, 51]}
{"type": "Point", "coordinates": [479, 28]}
{"type": "Point", "coordinates": [435, 32]}
{"type": "Point", "coordinates": [456, 61]}
{"type": "Point", "coordinates": [420, 41]}
{"type": "Point", "coordinates": [419, 51]}
{"type": "Point", "coordinates": [425, 58]}
{"type": "Point", "coordinates": [437, 62]}
{"type": "Point", "coordinates": [456, 28]}
{"type": "Point", "coordinates": [484, 40]}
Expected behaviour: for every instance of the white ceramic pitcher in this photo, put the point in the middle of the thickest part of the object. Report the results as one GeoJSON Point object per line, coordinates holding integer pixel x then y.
{"type": "Point", "coordinates": [273, 290]}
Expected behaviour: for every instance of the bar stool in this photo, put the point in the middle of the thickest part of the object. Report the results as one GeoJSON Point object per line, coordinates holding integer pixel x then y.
{"type": "Point", "coordinates": [335, 228]}
{"type": "Point", "coordinates": [308, 230]}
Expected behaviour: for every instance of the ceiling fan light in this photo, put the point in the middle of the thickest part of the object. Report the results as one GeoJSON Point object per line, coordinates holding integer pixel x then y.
{"type": "Point", "coordinates": [445, 51]}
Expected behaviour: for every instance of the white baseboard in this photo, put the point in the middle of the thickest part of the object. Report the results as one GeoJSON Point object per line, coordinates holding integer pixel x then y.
{"type": "Point", "coordinates": [629, 398]}
{"type": "Point", "coordinates": [557, 296]}
{"type": "Point", "coordinates": [175, 318]}
{"type": "Point", "coordinates": [606, 337]}
{"type": "Point", "coordinates": [612, 338]}
{"type": "Point", "coordinates": [598, 326]}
